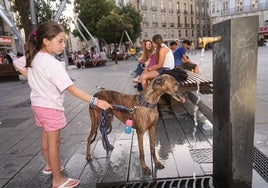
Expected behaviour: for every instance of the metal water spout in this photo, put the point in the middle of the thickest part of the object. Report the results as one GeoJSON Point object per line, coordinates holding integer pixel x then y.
{"type": "Point", "coordinates": [203, 41]}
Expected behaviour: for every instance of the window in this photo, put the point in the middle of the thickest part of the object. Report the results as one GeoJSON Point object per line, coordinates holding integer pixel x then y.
{"type": "Point", "coordinates": [172, 33]}
{"type": "Point", "coordinates": [254, 4]}
{"type": "Point", "coordinates": [239, 5]}
{"type": "Point", "coordinates": [170, 4]}
{"type": "Point", "coordinates": [162, 4]}
{"type": "Point", "coordinates": [154, 18]}
{"type": "Point", "coordinates": [225, 7]}
{"type": "Point", "coordinates": [213, 8]}
{"type": "Point", "coordinates": [145, 34]}
{"type": "Point", "coordinates": [153, 3]}
{"type": "Point", "coordinates": [178, 6]}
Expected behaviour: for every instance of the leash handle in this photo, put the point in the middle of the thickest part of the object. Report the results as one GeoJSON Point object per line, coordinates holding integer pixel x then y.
{"type": "Point", "coordinates": [124, 108]}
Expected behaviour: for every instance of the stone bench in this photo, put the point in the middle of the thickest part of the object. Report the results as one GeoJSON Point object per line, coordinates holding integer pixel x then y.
{"type": "Point", "coordinates": [191, 83]}
{"type": "Point", "coordinates": [8, 73]}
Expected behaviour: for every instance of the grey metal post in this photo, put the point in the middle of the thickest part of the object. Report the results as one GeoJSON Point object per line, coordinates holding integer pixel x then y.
{"type": "Point", "coordinates": [234, 101]}
{"type": "Point", "coordinates": [56, 19]}
{"type": "Point", "coordinates": [94, 40]}
{"type": "Point", "coordinates": [83, 36]}
{"type": "Point", "coordinates": [12, 27]}
{"type": "Point", "coordinates": [33, 15]}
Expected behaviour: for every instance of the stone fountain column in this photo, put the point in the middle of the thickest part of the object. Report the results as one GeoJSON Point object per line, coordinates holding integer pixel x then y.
{"type": "Point", "coordinates": [234, 98]}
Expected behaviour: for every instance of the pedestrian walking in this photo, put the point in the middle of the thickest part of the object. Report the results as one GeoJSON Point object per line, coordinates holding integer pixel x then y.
{"type": "Point", "coordinates": [48, 80]}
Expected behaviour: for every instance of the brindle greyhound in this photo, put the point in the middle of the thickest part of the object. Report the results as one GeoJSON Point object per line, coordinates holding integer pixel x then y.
{"type": "Point", "coordinates": [144, 116]}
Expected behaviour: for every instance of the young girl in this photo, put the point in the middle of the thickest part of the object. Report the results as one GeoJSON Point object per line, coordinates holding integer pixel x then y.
{"type": "Point", "coordinates": [164, 59]}
{"type": "Point", "coordinates": [48, 80]}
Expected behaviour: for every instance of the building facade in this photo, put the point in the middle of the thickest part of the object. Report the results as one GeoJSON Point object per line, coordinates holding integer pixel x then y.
{"type": "Point", "coordinates": [174, 19]}
{"type": "Point", "coordinates": [220, 10]}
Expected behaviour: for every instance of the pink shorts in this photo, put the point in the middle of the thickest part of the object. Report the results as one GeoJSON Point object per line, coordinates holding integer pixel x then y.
{"type": "Point", "coordinates": [48, 118]}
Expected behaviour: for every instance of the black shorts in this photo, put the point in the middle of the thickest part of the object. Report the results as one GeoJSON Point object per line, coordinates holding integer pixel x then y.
{"type": "Point", "coordinates": [188, 66]}
{"type": "Point", "coordinates": [161, 70]}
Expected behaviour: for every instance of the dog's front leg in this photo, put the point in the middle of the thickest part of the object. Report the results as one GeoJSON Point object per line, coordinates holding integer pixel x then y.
{"type": "Point", "coordinates": [145, 169]}
{"type": "Point", "coordinates": [157, 163]}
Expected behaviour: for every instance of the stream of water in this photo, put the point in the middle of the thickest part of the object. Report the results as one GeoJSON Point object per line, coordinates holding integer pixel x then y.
{"type": "Point", "coordinates": [198, 96]}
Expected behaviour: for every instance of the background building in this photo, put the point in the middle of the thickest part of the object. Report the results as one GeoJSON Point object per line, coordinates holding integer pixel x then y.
{"type": "Point", "coordinates": [174, 19]}
{"type": "Point", "coordinates": [220, 10]}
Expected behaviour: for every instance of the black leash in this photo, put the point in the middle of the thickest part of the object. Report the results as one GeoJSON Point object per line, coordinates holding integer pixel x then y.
{"type": "Point", "coordinates": [105, 141]}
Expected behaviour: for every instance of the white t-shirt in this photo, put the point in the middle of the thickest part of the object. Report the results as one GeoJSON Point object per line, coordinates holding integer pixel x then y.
{"type": "Point", "coordinates": [48, 80]}
{"type": "Point", "coordinates": [169, 59]}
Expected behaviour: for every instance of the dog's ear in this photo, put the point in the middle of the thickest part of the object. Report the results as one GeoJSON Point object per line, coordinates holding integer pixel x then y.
{"type": "Point", "coordinates": [158, 81]}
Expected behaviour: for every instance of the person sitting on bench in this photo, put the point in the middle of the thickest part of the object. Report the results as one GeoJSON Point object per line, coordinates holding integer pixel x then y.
{"type": "Point", "coordinates": [164, 60]}
{"type": "Point", "coordinates": [181, 60]}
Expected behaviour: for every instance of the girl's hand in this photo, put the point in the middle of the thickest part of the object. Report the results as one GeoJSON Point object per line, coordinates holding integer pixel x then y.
{"type": "Point", "coordinates": [103, 104]}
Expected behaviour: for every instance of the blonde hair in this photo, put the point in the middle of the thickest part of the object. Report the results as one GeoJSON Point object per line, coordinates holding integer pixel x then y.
{"type": "Point", "coordinates": [34, 44]}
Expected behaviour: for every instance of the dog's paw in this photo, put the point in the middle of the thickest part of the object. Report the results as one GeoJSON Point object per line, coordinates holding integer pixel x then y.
{"type": "Point", "coordinates": [159, 165]}
{"type": "Point", "coordinates": [147, 171]}
{"type": "Point", "coordinates": [88, 157]}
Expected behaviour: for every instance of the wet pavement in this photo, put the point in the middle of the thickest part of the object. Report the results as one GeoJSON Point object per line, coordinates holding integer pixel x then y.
{"type": "Point", "coordinates": [184, 154]}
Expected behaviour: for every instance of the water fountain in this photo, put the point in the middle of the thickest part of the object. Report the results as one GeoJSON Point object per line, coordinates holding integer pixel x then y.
{"type": "Point", "coordinates": [234, 100]}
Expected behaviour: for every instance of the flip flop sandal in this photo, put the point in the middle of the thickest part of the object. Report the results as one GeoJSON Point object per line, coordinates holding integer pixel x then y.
{"type": "Point", "coordinates": [64, 185]}
{"type": "Point", "coordinates": [48, 172]}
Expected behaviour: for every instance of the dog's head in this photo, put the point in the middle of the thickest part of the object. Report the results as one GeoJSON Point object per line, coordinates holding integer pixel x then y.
{"type": "Point", "coordinates": [169, 85]}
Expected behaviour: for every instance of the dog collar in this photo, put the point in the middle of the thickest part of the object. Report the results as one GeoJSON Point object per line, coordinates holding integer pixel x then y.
{"type": "Point", "coordinates": [145, 103]}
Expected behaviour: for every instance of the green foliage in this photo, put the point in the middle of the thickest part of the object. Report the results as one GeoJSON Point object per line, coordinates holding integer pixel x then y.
{"type": "Point", "coordinates": [116, 25]}
{"type": "Point", "coordinates": [104, 20]}
{"type": "Point", "coordinates": [132, 17]}
{"type": "Point", "coordinates": [90, 12]}
{"type": "Point", "coordinates": [45, 11]}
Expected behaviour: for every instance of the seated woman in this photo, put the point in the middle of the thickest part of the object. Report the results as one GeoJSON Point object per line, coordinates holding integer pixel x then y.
{"type": "Point", "coordinates": [164, 59]}
{"type": "Point", "coordinates": [144, 59]}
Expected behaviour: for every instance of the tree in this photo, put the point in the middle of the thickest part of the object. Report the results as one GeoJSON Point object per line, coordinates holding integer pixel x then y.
{"type": "Point", "coordinates": [112, 26]}
{"type": "Point", "coordinates": [132, 17]}
{"type": "Point", "coordinates": [94, 13]}
{"type": "Point", "coordinates": [45, 11]}
{"type": "Point", "coordinates": [90, 12]}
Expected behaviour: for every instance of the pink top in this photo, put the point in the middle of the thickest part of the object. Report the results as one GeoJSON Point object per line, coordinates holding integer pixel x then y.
{"type": "Point", "coordinates": [48, 80]}
{"type": "Point", "coordinates": [152, 60]}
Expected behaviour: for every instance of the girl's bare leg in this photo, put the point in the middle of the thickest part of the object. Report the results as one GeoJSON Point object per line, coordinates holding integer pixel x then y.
{"type": "Point", "coordinates": [44, 145]}
{"type": "Point", "coordinates": [54, 158]}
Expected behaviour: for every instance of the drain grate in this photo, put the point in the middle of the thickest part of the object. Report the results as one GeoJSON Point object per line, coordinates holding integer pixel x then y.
{"type": "Point", "coordinates": [260, 163]}
{"type": "Point", "coordinates": [198, 182]}
{"type": "Point", "coordinates": [203, 155]}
